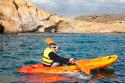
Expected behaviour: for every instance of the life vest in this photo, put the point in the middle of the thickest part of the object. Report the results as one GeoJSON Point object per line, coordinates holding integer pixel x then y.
{"type": "Point", "coordinates": [46, 59]}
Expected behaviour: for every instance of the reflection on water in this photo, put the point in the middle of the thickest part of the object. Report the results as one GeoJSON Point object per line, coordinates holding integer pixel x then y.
{"type": "Point", "coordinates": [43, 78]}
{"type": "Point", "coordinates": [69, 77]}
{"type": "Point", "coordinates": [104, 73]}
{"type": "Point", "coordinates": [1, 44]}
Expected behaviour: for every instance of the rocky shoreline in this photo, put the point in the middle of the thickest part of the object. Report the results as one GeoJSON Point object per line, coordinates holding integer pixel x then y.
{"type": "Point", "coordinates": [19, 16]}
{"type": "Point", "coordinates": [103, 18]}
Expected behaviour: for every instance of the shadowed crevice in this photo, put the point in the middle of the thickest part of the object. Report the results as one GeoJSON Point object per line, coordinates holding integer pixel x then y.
{"type": "Point", "coordinates": [2, 28]}
{"type": "Point", "coordinates": [37, 28]}
{"type": "Point", "coordinates": [53, 28]}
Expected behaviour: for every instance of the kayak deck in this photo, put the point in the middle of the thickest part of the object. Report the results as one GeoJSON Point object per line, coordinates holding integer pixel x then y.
{"type": "Point", "coordinates": [97, 63]}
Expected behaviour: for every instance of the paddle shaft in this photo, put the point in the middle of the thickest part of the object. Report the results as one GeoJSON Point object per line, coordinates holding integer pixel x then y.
{"type": "Point", "coordinates": [66, 54]}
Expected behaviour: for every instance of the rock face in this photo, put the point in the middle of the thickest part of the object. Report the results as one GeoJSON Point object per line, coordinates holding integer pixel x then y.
{"type": "Point", "coordinates": [21, 16]}
{"type": "Point", "coordinates": [91, 27]}
{"type": "Point", "coordinates": [102, 18]}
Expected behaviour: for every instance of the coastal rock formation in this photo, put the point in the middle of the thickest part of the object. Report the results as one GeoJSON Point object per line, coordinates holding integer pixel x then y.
{"type": "Point", "coordinates": [8, 16]}
{"type": "Point", "coordinates": [90, 27]}
{"type": "Point", "coordinates": [103, 18]}
{"type": "Point", "coordinates": [20, 16]}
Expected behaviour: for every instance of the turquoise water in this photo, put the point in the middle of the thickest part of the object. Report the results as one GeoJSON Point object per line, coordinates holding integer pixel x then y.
{"type": "Point", "coordinates": [25, 49]}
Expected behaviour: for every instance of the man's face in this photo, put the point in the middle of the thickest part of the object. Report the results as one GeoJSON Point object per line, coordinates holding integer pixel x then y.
{"type": "Point", "coordinates": [55, 48]}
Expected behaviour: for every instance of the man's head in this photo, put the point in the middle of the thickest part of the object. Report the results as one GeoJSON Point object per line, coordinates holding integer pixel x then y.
{"type": "Point", "coordinates": [54, 47]}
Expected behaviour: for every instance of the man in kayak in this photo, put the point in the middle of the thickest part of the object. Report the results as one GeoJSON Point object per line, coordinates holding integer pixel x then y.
{"type": "Point", "coordinates": [51, 59]}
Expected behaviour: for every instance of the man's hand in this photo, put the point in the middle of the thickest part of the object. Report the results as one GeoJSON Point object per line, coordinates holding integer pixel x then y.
{"type": "Point", "coordinates": [72, 61]}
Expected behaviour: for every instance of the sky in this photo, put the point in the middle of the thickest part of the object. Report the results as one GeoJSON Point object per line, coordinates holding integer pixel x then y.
{"type": "Point", "coordinates": [74, 8]}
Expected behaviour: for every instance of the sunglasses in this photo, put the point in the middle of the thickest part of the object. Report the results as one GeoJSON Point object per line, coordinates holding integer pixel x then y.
{"type": "Point", "coordinates": [53, 47]}
{"type": "Point", "coordinates": [58, 47]}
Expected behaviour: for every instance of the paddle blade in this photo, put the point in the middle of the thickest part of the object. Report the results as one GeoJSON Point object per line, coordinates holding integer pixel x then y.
{"type": "Point", "coordinates": [83, 67]}
{"type": "Point", "coordinates": [48, 40]}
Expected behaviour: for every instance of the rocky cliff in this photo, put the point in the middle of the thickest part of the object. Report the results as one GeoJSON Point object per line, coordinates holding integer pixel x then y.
{"type": "Point", "coordinates": [21, 16]}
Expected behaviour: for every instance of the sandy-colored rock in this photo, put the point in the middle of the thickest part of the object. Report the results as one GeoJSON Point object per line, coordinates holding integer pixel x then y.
{"type": "Point", "coordinates": [103, 18]}
{"type": "Point", "coordinates": [9, 16]}
{"type": "Point", "coordinates": [10, 27]}
{"type": "Point", "coordinates": [90, 27]}
{"type": "Point", "coordinates": [20, 2]}
{"type": "Point", "coordinates": [21, 16]}
{"type": "Point", "coordinates": [33, 11]}
{"type": "Point", "coordinates": [43, 15]}
{"type": "Point", "coordinates": [8, 9]}
{"type": "Point", "coordinates": [23, 12]}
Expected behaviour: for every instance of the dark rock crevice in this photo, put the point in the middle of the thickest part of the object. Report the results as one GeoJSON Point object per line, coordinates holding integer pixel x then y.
{"type": "Point", "coordinates": [30, 12]}
{"type": "Point", "coordinates": [2, 28]}
{"type": "Point", "coordinates": [37, 28]}
{"type": "Point", "coordinates": [16, 6]}
{"type": "Point", "coordinates": [48, 17]}
{"type": "Point", "coordinates": [53, 28]}
{"type": "Point", "coordinates": [37, 13]}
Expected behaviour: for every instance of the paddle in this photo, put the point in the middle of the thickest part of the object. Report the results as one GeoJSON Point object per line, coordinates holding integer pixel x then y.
{"type": "Point", "coordinates": [48, 40]}
{"type": "Point", "coordinates": [83, 67]}
{"type": "Point", "coordinates": [79, 64]}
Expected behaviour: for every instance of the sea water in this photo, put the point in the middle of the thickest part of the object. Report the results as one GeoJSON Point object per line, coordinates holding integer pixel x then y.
{"type": "Point", "coordinates": [17, 50]}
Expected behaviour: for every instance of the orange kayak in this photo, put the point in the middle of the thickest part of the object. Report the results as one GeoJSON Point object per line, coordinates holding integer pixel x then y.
{"type": "Point", "coordinates": [91, 64]}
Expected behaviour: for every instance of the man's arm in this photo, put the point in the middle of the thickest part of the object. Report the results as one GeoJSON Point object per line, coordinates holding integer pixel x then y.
{"type": "Point", "coordinates": [57, 58]}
